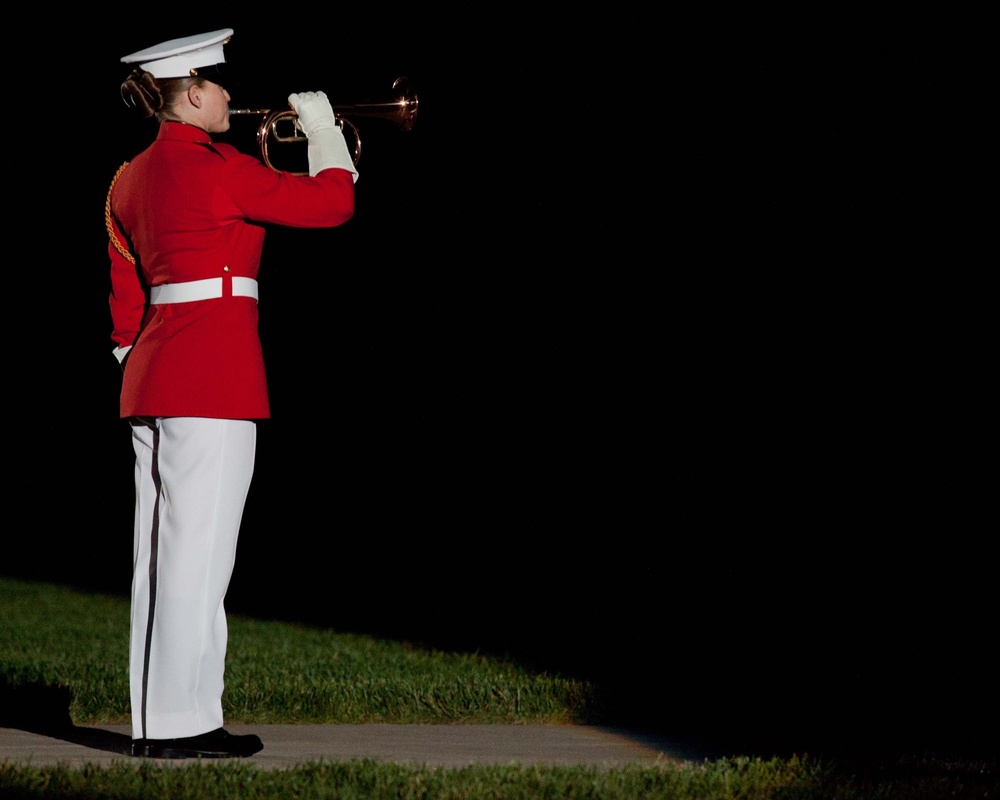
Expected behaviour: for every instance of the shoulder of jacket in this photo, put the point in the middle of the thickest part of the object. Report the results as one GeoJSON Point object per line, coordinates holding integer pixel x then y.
{"type": "Point", "coordinates": [219, 148]}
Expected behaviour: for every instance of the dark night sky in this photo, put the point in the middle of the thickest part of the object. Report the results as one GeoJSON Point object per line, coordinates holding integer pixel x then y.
{"type": "Point", "coordinates": [627, 339]}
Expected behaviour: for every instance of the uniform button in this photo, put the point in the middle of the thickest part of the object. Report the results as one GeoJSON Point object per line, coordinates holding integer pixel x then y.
{"type": "Point", "coordinates": [225, 268]}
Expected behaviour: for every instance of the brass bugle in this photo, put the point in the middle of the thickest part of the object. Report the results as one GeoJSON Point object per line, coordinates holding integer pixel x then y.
{"type": "Point", "coordinates": [400, 109]}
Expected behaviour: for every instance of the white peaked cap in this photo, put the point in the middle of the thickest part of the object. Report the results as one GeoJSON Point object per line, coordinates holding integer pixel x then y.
{"type": "Point", "coordinates": [182, 58]}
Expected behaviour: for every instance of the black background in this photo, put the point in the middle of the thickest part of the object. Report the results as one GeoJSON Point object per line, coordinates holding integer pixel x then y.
{"type": "Point", "coordinates": [648, 356]}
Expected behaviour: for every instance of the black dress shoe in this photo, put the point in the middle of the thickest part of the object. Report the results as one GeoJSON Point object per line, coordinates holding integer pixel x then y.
{"type": "Point", "coordinates": [214, 744]}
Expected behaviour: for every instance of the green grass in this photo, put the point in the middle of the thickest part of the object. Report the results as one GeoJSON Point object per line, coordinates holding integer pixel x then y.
{"type": "Point", "coordinates": [71, 649]}
{"type": "Point", "coordinates": [275, 672]}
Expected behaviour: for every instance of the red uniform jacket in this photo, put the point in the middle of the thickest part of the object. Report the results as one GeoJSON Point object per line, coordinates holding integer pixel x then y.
{"type": "Point", "coordinates": [188, 209]}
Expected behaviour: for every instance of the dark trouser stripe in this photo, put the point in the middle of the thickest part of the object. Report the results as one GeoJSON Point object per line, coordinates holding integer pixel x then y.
{"type": "Point", "coordinates": [154, 539]}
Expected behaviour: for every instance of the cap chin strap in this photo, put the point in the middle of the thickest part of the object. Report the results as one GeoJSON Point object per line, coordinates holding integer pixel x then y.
{"type": "Point", "coordinates": [210, 72]}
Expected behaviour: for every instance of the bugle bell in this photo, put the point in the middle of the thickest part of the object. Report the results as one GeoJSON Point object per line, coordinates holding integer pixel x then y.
{"type": "Point", "coordinates": [282, 125]}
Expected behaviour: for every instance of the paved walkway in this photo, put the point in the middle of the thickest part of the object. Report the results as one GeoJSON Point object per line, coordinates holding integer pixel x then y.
{"type": "Point", "coordinates": [432, 745]}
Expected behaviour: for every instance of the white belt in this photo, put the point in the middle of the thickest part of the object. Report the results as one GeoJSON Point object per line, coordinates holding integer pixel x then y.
{"type": "Point", "coordinates": [200, 290]}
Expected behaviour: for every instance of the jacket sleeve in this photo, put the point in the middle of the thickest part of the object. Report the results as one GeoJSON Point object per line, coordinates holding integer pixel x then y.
{"type": "Point", "coordinates": [127, 298]}
{"type": "Point", "coordinates": [298, 201]}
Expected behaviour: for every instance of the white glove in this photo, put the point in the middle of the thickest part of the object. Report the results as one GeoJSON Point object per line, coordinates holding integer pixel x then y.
{"type": "Point", "coordinates": [327, 147]}
{"type": "Point", "coordinates": [314, 111]}
{"type": "Point", "coordinates": [120, 353]}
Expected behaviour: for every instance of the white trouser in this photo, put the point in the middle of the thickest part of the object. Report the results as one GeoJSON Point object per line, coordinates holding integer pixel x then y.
{"type": "Point", "coordinates": [192, 476]}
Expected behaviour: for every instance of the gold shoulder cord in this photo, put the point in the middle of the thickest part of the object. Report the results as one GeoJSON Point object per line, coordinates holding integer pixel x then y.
{"type": "Point", "coordinates": [107, 218]}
